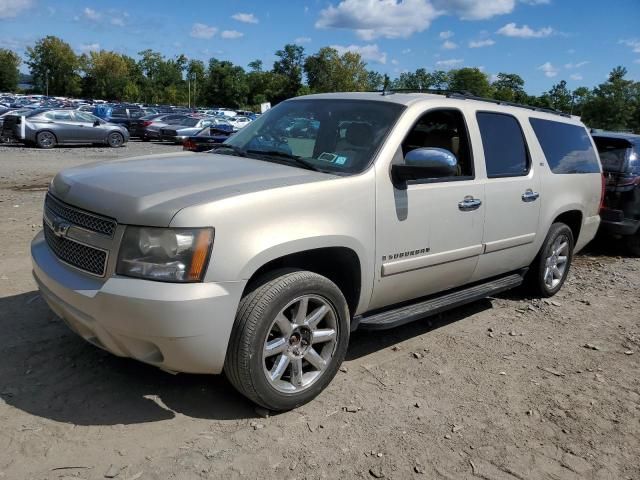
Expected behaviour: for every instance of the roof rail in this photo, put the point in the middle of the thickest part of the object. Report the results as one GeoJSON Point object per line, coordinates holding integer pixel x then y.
{"type": "Point", "coordinates": [464, 95]}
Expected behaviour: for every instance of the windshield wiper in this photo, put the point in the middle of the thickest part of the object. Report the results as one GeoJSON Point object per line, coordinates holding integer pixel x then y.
{"type": "Point", "coordinates": [237, 151]}
{"type": "Point", "coordinates": [298, 160]}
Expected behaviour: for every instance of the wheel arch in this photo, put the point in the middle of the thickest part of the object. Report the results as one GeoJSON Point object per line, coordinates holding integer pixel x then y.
{"type": "Point", "coordinates": [340, 264]}
{"type": "Point", "coordinates": [573, 218]}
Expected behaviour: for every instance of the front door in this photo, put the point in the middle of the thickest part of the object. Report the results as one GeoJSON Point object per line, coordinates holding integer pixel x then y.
{"type": "Point", "coordinates": [429, 235]}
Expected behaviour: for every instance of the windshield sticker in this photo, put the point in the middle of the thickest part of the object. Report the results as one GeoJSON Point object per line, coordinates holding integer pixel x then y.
{"type": "Point", "coordinates": [340, 160]}
{"type": "Point", "coordinates": [332, 158]}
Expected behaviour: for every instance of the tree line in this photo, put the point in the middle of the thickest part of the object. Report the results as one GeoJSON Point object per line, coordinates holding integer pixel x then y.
{"type": "Point", "coordinates": [156, 79]}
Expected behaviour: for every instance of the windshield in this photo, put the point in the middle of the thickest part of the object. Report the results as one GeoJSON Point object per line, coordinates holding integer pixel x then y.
{"type": "Point", "coordinates": [338, 136]}
{"type": "Point", "coordinates": [614, 153]}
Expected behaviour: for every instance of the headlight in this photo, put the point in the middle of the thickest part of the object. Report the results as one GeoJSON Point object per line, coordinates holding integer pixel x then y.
{"type": "Point", "coordinates": [165, 254]}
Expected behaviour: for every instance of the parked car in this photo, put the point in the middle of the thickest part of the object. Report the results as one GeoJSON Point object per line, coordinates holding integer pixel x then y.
{"type": "Point", "coordinates": [620, 157]}
{"type": "Point", "coordinates": [151, 131]}
{"type": "Point", "coordinates": [239, 121]}
{"type": "Point", "coordinates": [259, 258]}
{"type": "Point", "coordinates": [179, 132]}
{"type": "Point", "coordinates": [125, 114]}
{"type": "Point", "coordinates": [207, 138]}
{"type": "Point", "coordinates": [48, 128]}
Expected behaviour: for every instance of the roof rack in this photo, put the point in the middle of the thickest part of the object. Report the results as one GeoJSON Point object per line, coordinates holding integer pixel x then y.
{"type": "Point", "coordinates": [464, 95]}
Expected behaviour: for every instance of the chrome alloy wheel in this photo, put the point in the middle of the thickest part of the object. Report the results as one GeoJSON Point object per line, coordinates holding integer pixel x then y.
{"type": "Point", "coordinates": [300, 344]}
{"type": "Point", "coordinates": [556, 263]}
{"type": "Point", "coordinates": [46, 139]}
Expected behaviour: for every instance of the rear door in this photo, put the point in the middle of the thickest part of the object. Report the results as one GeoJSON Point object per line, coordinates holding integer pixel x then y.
{"type": "Point", "coordinates": [512, 193]}
{"type": "Point", "coordinates": [63, 126]}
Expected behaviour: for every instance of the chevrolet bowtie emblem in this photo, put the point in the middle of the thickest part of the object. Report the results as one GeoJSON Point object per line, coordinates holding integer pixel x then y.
{"type": "Point", "coordinates": [60, 227]}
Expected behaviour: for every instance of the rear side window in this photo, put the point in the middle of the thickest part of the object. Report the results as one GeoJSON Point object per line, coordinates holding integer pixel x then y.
{"type": "Point", "coordinates": [505, 150]}
{"type": "Point", "coordinates": [568, 148]}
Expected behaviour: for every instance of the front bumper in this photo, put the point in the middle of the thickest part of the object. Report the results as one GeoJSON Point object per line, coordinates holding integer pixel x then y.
{"type": "Point", "coordinates": [176, 327]}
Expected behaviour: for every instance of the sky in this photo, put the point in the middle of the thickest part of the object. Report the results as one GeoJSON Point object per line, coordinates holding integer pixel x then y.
{"type": "Point", "coordinates": [544, 41]}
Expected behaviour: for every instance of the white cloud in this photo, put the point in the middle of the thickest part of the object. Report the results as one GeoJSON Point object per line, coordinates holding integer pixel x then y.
{"type": "Point", "coordinates": [449, 45]}
{"type": "Point", "coordinates": [89, 47]}
{"type": "Point", "coordinates": [633, 43]}
{"type": "Point", "coordinates": [571, 51]}
{"type": "Point", "coordinates": [395, 62]}
{"type": "Point", "coordinates": [91, 14]}
{"type": "Point", "coordinates": [200, 30]}
{"type": "Point", "coordinates": [637, 60]}
{"type": "Point", "coordinates": [449, 63]}
{"type": "Point", "coordinates": [549, 70]}
{"type": "Point", "coordinates": [118, 22]}
{"type": "Point", "coordinates": [13, 8]}
{"type": "Point", "coordinates": [475, 9]}
{"type": "Point", "coordinates": [231, 34]}
{"type": "Point", "coordinates": [446, 35]}
{"type": "Point", "coordinates": [536, 2]}
{"type": "Point", "coordinates": [379, 18]}
{"type": "Point", "coordinates": [481, 43]}
{"type": "Point", "coordinates": [302, 40]}
{"type": "Point", "coordinates": [367, 52]}
{"type": "Point", "coordinates": [245, 17]}
{"type": "Point", "coordinates": [406, 51]}
{"type": "Point", "coordinates": [571, 66]}
{"type": "Point", "coordinates": [512, 30]}
{"type": "Point", "coordinates": [575, 76]}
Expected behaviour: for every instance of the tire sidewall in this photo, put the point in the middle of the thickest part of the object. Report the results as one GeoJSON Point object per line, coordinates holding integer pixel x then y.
{"type": "Point", "coordinates": [555, 231]}
{"type": "Point", "coordinates": [321, 287]}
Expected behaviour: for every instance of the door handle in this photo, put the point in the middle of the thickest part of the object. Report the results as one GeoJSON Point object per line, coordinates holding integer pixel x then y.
{"type": "Point", "coordinates": [469, 203]}
{"type": "Point", "coordinates": [530, 196]}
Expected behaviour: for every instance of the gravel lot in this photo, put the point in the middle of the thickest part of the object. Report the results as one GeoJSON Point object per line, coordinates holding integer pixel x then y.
{"type": "Point", "coordinates": [506, 388]}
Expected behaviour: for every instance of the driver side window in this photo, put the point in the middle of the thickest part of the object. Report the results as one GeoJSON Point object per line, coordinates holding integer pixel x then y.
{"type": "Point", "coordinates": [446, 129]}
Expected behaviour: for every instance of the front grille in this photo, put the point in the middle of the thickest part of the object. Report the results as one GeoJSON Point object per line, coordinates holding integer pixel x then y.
{"type": "Point", "coordinates": [76, 254]}
{"type": "Point", "coordinates": [90, 221]}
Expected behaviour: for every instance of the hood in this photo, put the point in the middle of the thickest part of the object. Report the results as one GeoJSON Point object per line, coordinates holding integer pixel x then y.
{"type": "Point", "coordinates": [151, 190]}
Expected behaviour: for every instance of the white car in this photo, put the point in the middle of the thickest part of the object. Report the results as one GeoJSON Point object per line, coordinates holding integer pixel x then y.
{"type": "Point", "coordinates": [239, 122]}
{"type": "Point", "coordinates": [260, 257]}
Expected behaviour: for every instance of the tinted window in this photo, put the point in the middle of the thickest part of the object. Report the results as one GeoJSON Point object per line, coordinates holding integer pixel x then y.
{"type": "Point", "coordinates": [567, 147]}
{"type": "Point", "coordinates": [505, 151]}
{"type": "Point", "coordinates": [442, 129]}
{"type": "Point", "coordinates": [85, 117]}
{"type": "Point", "coordinates": [119, 112]}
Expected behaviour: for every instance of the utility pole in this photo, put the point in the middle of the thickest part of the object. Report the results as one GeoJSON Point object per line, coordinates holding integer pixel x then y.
{"type": "Point", "coordinates": [195, 97]}
{"type": "Point", "coordinates": [46, 73]}
{"type": "Point", "coordinates": [189, 87]}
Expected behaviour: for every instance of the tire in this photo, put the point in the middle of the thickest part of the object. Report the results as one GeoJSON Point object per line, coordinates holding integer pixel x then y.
{"type": "Point", "coordinates": [145, 139]}
{"type": "Point", "coordinates": [543, 279]}
{"type": "Point", "coordinates": [46, 139]}
{"type": "Point", "coordinates": [263, 357]}
{"type": "Point", "coordinates": [115, 140]}
{"type": "Point", "coordinates": [633, 244]}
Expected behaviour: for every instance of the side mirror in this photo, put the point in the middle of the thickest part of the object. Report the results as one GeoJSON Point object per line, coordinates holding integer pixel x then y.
{"type": "Point", "coordinates": [96, 123]}
{"type": "Point", "coordinates": [424, 163]}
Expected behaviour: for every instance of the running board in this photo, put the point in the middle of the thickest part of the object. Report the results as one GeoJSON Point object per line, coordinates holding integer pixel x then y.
{"type": "Point", "coordinates": [434, 305]}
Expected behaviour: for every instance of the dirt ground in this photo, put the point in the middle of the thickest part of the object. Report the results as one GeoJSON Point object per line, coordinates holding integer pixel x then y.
{"type": "Point", "coordinates": [506, 388]}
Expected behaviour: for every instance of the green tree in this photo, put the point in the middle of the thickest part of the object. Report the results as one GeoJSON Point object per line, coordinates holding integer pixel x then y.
{"type": "Point", "coordinates": [106, 75]}
{"type": "Point", "coordinates": [54, 67]}
{"type": "Point", "coordinates": [509, 87]}
{"type": "Point", "coordinates": [290, 64]}
{"type": "Point", "coordinates": [613, 103]}
{"type": "Point", "coordinates": [560, 98]}
{"type": "Point", "coordinates": [9, 73]}
{"type": "Point", "coordinates": [328, 71]}
{"type": "Point", "coordinates": [581, 96]}
{"type": "Point", "coordinates": [471, 80]}
{"type": "Point", "coordinates": [226, 84]}
{"type": "Point", "coordinates": [196, 76]}
{"type": "Point", "coordinates": [375, 80]}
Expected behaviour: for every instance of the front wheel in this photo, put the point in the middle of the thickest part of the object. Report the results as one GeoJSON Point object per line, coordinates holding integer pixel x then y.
{"type": "Point", "coordinates": [550, 268]}
{"type": "Point", "coordinates": [115, 140]}
{"type": "Point", "coordinates": [289, 339]}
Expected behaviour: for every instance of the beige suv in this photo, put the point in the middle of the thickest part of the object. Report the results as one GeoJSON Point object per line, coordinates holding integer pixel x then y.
{"type": "Point", "coordinates": [260, 257]}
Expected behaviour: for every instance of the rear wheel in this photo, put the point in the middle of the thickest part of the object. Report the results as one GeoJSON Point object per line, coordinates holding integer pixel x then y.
{"type": "Point", "coordinates": [46, 140]}
{"type": "Point", "coordinates": [289, 339]}
{"type": "Point", "coordinates": [550, 268]}
{"type": "Point", "coordinates": [115, 140]}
